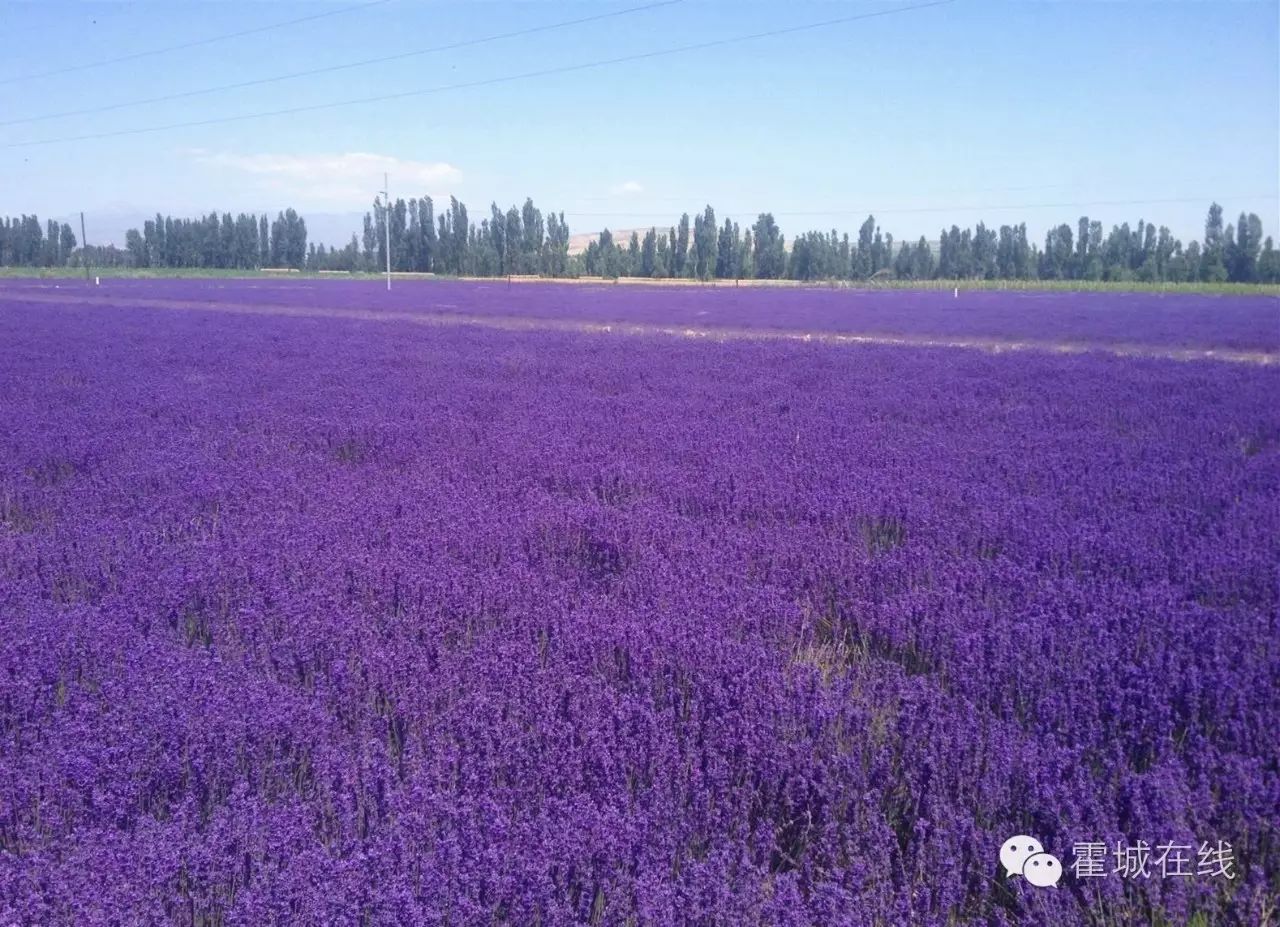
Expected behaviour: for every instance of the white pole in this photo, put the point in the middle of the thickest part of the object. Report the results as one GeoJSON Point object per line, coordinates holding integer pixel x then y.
{"type": "Point", "coordinates": [84, 248]}
{"type": "Point", "coordinates": [387, 221]}
{"type": "Point", "coordinates": [957, 293]}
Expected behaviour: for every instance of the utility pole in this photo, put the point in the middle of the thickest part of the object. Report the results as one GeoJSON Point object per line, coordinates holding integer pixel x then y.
{"type": "Point", "coordinates": [386, 193]}
{"type": "Point", "coordinates": [84, 248]}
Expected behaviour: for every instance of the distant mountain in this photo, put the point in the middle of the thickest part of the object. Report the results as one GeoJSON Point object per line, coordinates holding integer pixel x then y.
{"type": "Point", "coordinates": [621, 237]}
{"type": "Point", "coordinates": [105, 227]}
{"type": "Point", "coordinates": [333, 229]}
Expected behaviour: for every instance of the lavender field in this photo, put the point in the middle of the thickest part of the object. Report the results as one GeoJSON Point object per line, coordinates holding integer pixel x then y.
{"type": "Point", "coordinates": [326, 620]}
{"type": "Point", "coordinates": [1150, 321]}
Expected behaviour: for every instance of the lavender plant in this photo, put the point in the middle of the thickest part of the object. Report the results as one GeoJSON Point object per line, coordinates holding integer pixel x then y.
{"type": "Point", "coordinates": [1115, 319]}
{"type": "Point", "coordinates": [320, 621]}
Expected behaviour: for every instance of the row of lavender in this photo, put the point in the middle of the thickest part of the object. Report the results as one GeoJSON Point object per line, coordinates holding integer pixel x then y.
{"type": "Point", "coordinates": [1241, 323]}
{"type": "Point", "coordinates": [311, 621]}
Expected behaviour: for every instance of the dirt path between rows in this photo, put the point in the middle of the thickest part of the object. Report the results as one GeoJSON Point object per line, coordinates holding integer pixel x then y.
{"type": "Point", "coordinates": [712, 333]}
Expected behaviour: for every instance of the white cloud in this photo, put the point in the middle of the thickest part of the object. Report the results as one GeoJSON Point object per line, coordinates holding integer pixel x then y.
{"type": "Point", "coordinates": [350, 179]}
{"type": "Point", "coordinates": [626, 188]}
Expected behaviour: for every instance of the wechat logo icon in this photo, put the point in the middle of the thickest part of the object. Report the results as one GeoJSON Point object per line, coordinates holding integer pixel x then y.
{"type": "Point", "coordinates": [1025, 856]}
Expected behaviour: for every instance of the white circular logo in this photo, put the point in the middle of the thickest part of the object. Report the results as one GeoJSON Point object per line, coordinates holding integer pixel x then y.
{"type": "Point", "coordinates": [1042, 869]}
{"type": "Point", "coordinates": [1015, 850]}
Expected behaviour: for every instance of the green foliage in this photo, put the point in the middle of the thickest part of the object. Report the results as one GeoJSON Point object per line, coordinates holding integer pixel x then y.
{"type": "Point", "coordinates": [770, 256]}
{"type": "Point", "coordinates": [25, 243]}
{"type": "Point", "coordinates": [1269, 263]}
{"type": "Point", "coordinates": [1213, 268]}
{"type": "Point", "coordinates": [662, 259]}
{"type": "Point", "coordinates": [288, 240]}
{"type": "Point", "coordinates": [680, 246]}
{"type": "Point", "coordinates": [520, 240]}
{"type": "Point", "coordinates": [649, 255]}
{"type": "Point", "coordinates": [704, 244]}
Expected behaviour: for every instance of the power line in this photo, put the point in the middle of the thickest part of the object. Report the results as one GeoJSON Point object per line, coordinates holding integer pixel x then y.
{"type": "Point", "coordinates": [185, 45]}
{"type": "Point", "coordinates": [328, 69]}
{"type": "Point", "coordinates": [487, 82]}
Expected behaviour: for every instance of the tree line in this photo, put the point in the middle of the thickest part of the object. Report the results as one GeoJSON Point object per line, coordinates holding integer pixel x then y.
{"type": "Point", "coordinates": [518, 241]}
{"type": "Point", "coordinates": [522, 240]}
{"type": "Point", "coordinates": [1145, 252]}
{"type": "Point", "coordinates": [24, 242]}
{"type": "Point", "coordinates": [243, 242]}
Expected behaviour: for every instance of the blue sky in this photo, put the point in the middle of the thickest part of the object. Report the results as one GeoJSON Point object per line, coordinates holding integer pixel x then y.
{"type": "Point", "coordinates": [929, 116]}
